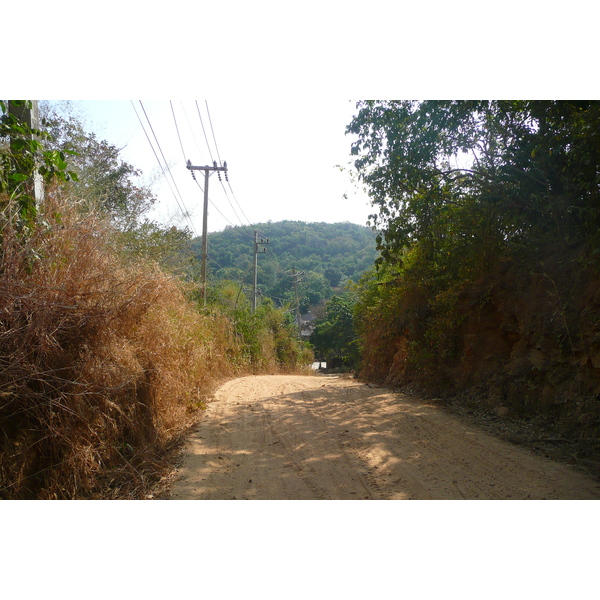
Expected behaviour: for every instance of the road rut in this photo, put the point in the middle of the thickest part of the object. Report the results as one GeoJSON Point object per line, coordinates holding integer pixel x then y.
{"type": "Point", "coordinates": [314, 437]}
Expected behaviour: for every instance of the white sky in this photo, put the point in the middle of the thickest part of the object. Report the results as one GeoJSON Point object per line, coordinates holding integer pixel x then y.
{"type": "Point", "coordinates": [281, 154]}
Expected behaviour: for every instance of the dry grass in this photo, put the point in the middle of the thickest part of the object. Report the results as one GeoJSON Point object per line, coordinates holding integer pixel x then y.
{"type": "Point", "coordinates": [101, 365]}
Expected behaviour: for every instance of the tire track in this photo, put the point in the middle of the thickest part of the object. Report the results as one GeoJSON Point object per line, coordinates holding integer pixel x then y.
{"type": "Point", "coordinates": [309, 437]}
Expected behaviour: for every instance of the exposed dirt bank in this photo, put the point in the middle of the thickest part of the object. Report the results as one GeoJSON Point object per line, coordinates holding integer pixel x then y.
{"type": "Point", "coordinates": [310, 437]}
{"type": "Point", "coordinates": [523, 338]}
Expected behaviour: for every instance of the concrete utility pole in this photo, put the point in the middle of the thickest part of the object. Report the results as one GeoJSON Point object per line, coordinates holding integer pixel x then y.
{"type": "Point", "coordinates": [257, 243]}
{"type": "Point", "coordinates": [207, 172]}
{"type": "Point", "coordinates": [296, 277]}
{"type": "Point", "coordinates": [30, 116]}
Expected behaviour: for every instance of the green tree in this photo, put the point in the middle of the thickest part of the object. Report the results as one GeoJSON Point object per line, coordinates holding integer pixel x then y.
{"type": "Point", "coordinates": [313, 289]}
{"type": "Point", "coordinates": [334, 336]}
{"type": "Point", "coordinates": [328, 253]}
{"type": "Point", "coordinates": [107, 183]}
{"type": "Point", "coordinates": [25, 152]}
{"type": "Point", "coordinates": [104, 180]}
{"type": "Point", "coordinates": [458, 187]}
{"type": "Point", "coordinates": [522, 172]}
{"type": "Point", "coordinates": [268, 336]}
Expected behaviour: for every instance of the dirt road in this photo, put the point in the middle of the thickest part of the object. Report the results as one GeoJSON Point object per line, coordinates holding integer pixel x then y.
{"type": "Point", "coordinates": [314, 437]}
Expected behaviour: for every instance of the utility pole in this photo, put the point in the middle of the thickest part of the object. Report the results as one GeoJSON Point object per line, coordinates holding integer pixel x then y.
{"type": "Point", "coordinates": [296, 277]}
{"type": "Point", "coordinates": [207, 173]}
{"type": "Point", "coordinates": [29, 114]}
{"type": "Point", "coordinates": [257, 250]}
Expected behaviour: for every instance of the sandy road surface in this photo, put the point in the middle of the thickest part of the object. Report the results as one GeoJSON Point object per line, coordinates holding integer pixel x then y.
{"type": "Point", "coordinates": [309, 437]}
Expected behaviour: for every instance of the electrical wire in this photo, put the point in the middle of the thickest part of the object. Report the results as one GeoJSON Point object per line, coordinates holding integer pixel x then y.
{"type": "Point", "coordinates": [236, 201]}
{"type": "Point", "coordinates": [191, 129]}
{"type": "Point", "coordinates": [197, 183]}
{"type": "Point", "coordinates": [215, 206]}
{"type": "Point", "coordinates": [213, 132]}
{"type": "Point", "coordinates": [220, 162]}
{"type": "Point", "coordinates": [230, 204]}
{"type": "Point", "coordinates": [177, 128]}
{"type": "Point", "coordinates": [204, 131]}
{"type": "Point", "coordinates": [181, 205]}
{"type": "Point", "coordinates": [226, 218]}
{"type": "Point", "coordinates": [163, 156]}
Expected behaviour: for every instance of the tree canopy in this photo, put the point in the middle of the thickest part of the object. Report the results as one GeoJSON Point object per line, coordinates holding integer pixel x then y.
{"type": "Point", "coordinates": [25, 153]}
{"type": "Point", "coordinates": [510, 172]}
{"type": "Point", "coordinates": [104, 179]}
{"type": "Point", "coordinates": [327, 254]}
{"type": "Point", "coordinates": [489, 213]}
{"type": "Point", "coordinates": [334, 336]}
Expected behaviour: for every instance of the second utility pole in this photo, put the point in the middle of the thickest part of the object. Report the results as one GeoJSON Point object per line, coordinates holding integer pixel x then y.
{"type": "Point", "coordinates": [296, 277]}
{"type": "Point", "coordinates": [207, 171]}
{"type": "Point", "coordinates": [257, 243]}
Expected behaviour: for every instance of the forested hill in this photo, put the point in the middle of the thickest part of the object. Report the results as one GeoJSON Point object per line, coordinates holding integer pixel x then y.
{"type": "Point", "coordinates": [327, 254]}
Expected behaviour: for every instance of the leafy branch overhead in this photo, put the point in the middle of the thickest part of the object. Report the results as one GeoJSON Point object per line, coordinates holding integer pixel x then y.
{"type": "Point", "coordinates": [518, 171]}
{"type": "Point", "coordinates": [25, 152]}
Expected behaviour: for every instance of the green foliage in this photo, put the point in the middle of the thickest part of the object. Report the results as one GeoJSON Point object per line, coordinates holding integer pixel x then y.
{"type": "Point", "coordinates": [523, 173]}
{"type": "Point", "coordinates": [104, 181]}
{"type": "Point", "coordinates": [267, 337]}
{"type": "Point", "coordinates": [458, 188]}
{"type": "Point", "coordinates": [168, 246]}
{"type": "Point", "coordinates": [25, 154]}
{"type": "Point", "coordinates": [327, 254]}
{"type": "Point", "coordinates": [334, 336]}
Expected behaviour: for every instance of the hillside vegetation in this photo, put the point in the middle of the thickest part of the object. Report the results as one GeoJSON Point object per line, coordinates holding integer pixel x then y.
{"type": "Point", "coordinates": [328, 255]}
{"type": "Point", "coordinates": [489, 277]}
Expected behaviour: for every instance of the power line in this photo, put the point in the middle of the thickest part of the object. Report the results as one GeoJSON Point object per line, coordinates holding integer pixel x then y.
{"type": "Point", "coordinates": [180, 202]}
{"type": "Point", "coordinates": [226, 218]}
{"type": "Point", "coordinates": [204, 131]}
{"type": "Point", "coordinates": [220, 161]}
{"type": "Point", "coordinates": [190, 127]}
{"type": "Point", "coordinates": [213, 132]}
{"type": "Point", "coordinates": [216, 207]}
{"type": "Point", "coordinates": [226, 177]}
{"type": "Point", "coordinates": [236, 201]}
{"type": "Point", "coordinates": [230, 204]}
{"type": "Point", "coordinates": [276, 266]}
{"type": "Point", "coordinates": [181, 205]}
{"type": "Point", "coordinates": [162, 154]}
{"type": "Point", "coordinates": [219, 173]}
{"type": "Point", "coordinates": [177, 128]}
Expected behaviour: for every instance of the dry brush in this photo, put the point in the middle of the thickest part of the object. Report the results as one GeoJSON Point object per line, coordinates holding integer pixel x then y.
{"type": "Point", "coordinates": [102, 364]}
